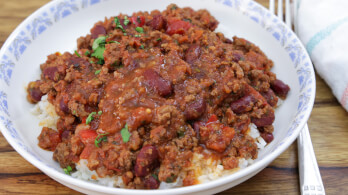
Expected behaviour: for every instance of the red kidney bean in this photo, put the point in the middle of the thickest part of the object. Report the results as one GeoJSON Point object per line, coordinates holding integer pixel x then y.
{"type": "Point", "coordinates": [266, 119]}
{"type": "Point", "coordinates": [155, 81]}
{"type": "Point", "coordinates": [196, 127]}
{"type": "Point", "coordinates": [35, 94]}
{"type": "Point", "coordinates": [177, 27]}
{"type": "Point", "coordinates": [280, 88]}
{"type": "Point", "coordinates": [270, 97]}
{"type": "Point", "coordinates": [237, 56]}
{"type": "Point", "coordinates": [192, 53]}
{"type": "Point", "coordinates": [157, 23]}
{"type": "Point", "coordinates": [195, 109]}
{"type": "Point", "coordinates": [147, 159]}
{"type": "Point", "coordinates": [50, 72]}
{"type": "Point", "coordinates": [243, 104]}
{"type": "Point", "coordinates": [63, 106]}
{"type": "Point", "coordinates": [97, 30]}
{"type": "Point", "coordinates": [268, 137]}
{"type": "Point", "coordinates": [151, 183]}
{"type": "Point", "coordinates": [228, 41]}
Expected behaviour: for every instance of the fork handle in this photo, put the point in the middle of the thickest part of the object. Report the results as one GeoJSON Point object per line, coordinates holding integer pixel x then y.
{"type": "Point", "coordinates": [310, 179]}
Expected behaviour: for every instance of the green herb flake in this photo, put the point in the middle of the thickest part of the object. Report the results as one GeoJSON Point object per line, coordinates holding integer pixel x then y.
{"type": "Point", "coordinates": [170, 179]}
{"type": "Point", "coordinates": [197, 70]}
{"type": "Point", "coordinates": [139, 29]}
{"type": "Point", "coordinates": [181, 134]}
{"type": "Point", "coordinates": [159, 39]}
{"type": "Point", "coordinates": [97, 72]}
{"type": "Point", "coordinates": [139, 20]}
{"type": "Point", "coordinates": [174, 7]}
{"type": "Point", "coordinates": [78, 55]}
{"type": "Point", "coordinates": [67, 170]}
{"type": "Point", "coordinates": [125, 133]}
{"type": "Point", "coordinates": [87, 53]}
{"type": "Point", "coordinates": [100, 138]}
{"type": "Point", "coordinates": [100, 112]}
{"type": "Point", "coordinates": [114, 42]}
{"type": "Point", "coordinates": [99, 47]}
{"type": "Point", "coordinates": [90, 117]}
{"type": "Point", "coordinates": [137, 35]}
{"type": "Point", "coordinates": [187, 20]}
{"type": "Point", "coordinates": [118, 24]}
{"type": "Point", "coordinates": [142, 46]}
{"type": "Point", "coordinates": [155, 176]}
{"type": "Point", "coordinates": [126, 21]}
{"type": "Point", "coordinates": [124, 34]}
{"type": "Point", "coordinates": [91, 61]}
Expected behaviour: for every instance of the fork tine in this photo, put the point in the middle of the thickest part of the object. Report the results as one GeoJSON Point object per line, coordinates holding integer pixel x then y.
{"type": "Point", "coordinates": [280, 9]}
{"type": "Point", "coordinates": [287, 13]}
{"type": "Point", "coordinates": [271, 6]}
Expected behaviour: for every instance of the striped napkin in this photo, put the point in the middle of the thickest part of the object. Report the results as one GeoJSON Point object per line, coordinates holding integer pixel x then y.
{"type": "Point", "coordinates": [322, 26]}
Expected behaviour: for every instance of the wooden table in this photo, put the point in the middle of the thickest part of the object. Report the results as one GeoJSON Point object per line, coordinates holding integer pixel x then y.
{"type": "Point", "coordinates": [328, 126]}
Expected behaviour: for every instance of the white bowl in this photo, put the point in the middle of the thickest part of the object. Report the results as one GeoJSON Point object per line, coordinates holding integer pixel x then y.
{"type": "Point", "coordinates": [56, 27]}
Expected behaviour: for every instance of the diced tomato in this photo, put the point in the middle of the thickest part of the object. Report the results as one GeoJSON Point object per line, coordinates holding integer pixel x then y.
{"type": "Point", "coordinates": [87, 151]}
{"type": "Point", "coordinates": [256, 94]}
{"type": "Point", "coordinates": [138, 20]}
{"type": "Point", "coordinates": [83, 120]}
{"type": "Point", "coordinates": [176, 26]}
{"type": "Point", "coordinates": [88, 136]}
{"type": "Point", "coordinates": [213, 118]}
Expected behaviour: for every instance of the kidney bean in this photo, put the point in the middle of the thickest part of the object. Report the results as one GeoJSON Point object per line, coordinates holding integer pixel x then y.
{"type": "Point", "coordinates": [177, 27]}
{"type": "Point", "coordinates": [147, 159]}
{"type": "Point", "coordinates": [50, 73]}
{"type": "Point", "coordinates": [151, 183]}
{"type": "Point", "coordinates": [192, 53]}
{"type": "Point", "coordinates": [228, 41]}
{"type": "Point", "coordinates": [270, 97]}
{"type": "Point", "coordinates": [280, 88]}
{"type": "Point", "coordinates": [268, 137]}
{"type": "Point", "coordinates": [266, 119]}
{"type": "Point", "coordinates": [243, 104]}
{"type": "Point", "coordinates": [195, 109]}
{"type": "Point", "coordinates": [157, 23]}
{"type": "Point", "coordinates": [196, 126]}
{"type": "Point", "coordinates": [35, 95]}
{"type": "Point", "coordinates": [155, 81]}
{"type": "Point", "coordinates": [97, 30]}
{"type": "Point", "coordinates": [63, 106]}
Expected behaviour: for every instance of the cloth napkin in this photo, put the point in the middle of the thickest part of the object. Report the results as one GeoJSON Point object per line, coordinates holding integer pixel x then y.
{"type": "Point", "coordinates": [322, 26]}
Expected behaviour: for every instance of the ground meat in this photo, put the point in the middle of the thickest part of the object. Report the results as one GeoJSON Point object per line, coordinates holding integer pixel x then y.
{"type": "Point", "coordinates": [144, 92]}
{"type": "Point", "coordinates": [49, 139]}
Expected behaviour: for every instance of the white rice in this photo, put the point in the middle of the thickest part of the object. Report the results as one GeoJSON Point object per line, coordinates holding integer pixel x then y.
{"type": "Point", "coordinates": [46, 113]}
{"type": "Point", "coordinates": [205, 169]}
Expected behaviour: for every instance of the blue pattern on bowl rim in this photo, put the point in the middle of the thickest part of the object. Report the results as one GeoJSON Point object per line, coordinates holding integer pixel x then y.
{"type": "Point", "coordinates": [65, 8]}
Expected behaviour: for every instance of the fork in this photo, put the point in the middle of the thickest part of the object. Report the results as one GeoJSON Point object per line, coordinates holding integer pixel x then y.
{"type": "Point", "coordinates": [310, 179]}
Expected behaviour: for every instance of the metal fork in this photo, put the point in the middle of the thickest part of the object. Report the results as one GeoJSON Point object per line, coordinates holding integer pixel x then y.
{"type": "Point", "coordinates": [310, 179]}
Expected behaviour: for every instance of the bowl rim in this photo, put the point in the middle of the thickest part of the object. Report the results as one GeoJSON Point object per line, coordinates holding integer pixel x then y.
{"type": "Point", "coordinates": [182, 190]}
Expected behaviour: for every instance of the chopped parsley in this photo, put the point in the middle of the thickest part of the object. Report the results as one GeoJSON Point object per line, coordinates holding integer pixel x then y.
{"type": "Point", "coordinates": [78, 55]}
{"type": "Point", "coordinates": [100, 138]}
{"type": "Point", "coordinates": [90, 117]}
{"type": "Point", "coordinates": [137, 35]}
{"type": "Point", "coordinates": [159, 39]}
{"type": "Point", "coordinates": [126, 21]}
{"type": "Point", "coordinates": [139, 20]}
{"type": "Point", "coordinates": [118, 24]}
{"type": "Point", "coordinates": [125, 133]}
{"type": "Point", "coordinates": [99, 47]}
{"type": "Point", "coordinates": [67, 170]}
{"type": "Point", "coordinates": [155, 176]}
{"type": "Point", "coordinates": [114, 42]}
{"type": "Point", "coordinates": [142, 46]}
{"type": "Point", "coordinates": [100, 112]}
{"type": "Point", "coordinates": [87, 53]}
{"type": "Point", "coordinates": [181, 134]}
{"type": "Point", "coordinates": [174, 7]}
{"type": "Point", "coordinates": [97, 72]}
{"type": "Point", "coordinates": [91, 62]}
{"type": "Point", "coordinates": [139, 29]}
{"type": "Point", "coordinates": [170, 179]}
{"type": "Point", "coordinates": [187, 20]}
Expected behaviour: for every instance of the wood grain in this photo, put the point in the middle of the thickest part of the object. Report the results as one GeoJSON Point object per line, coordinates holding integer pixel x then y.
{"type": "Point", "coordinates": [328, 126]}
